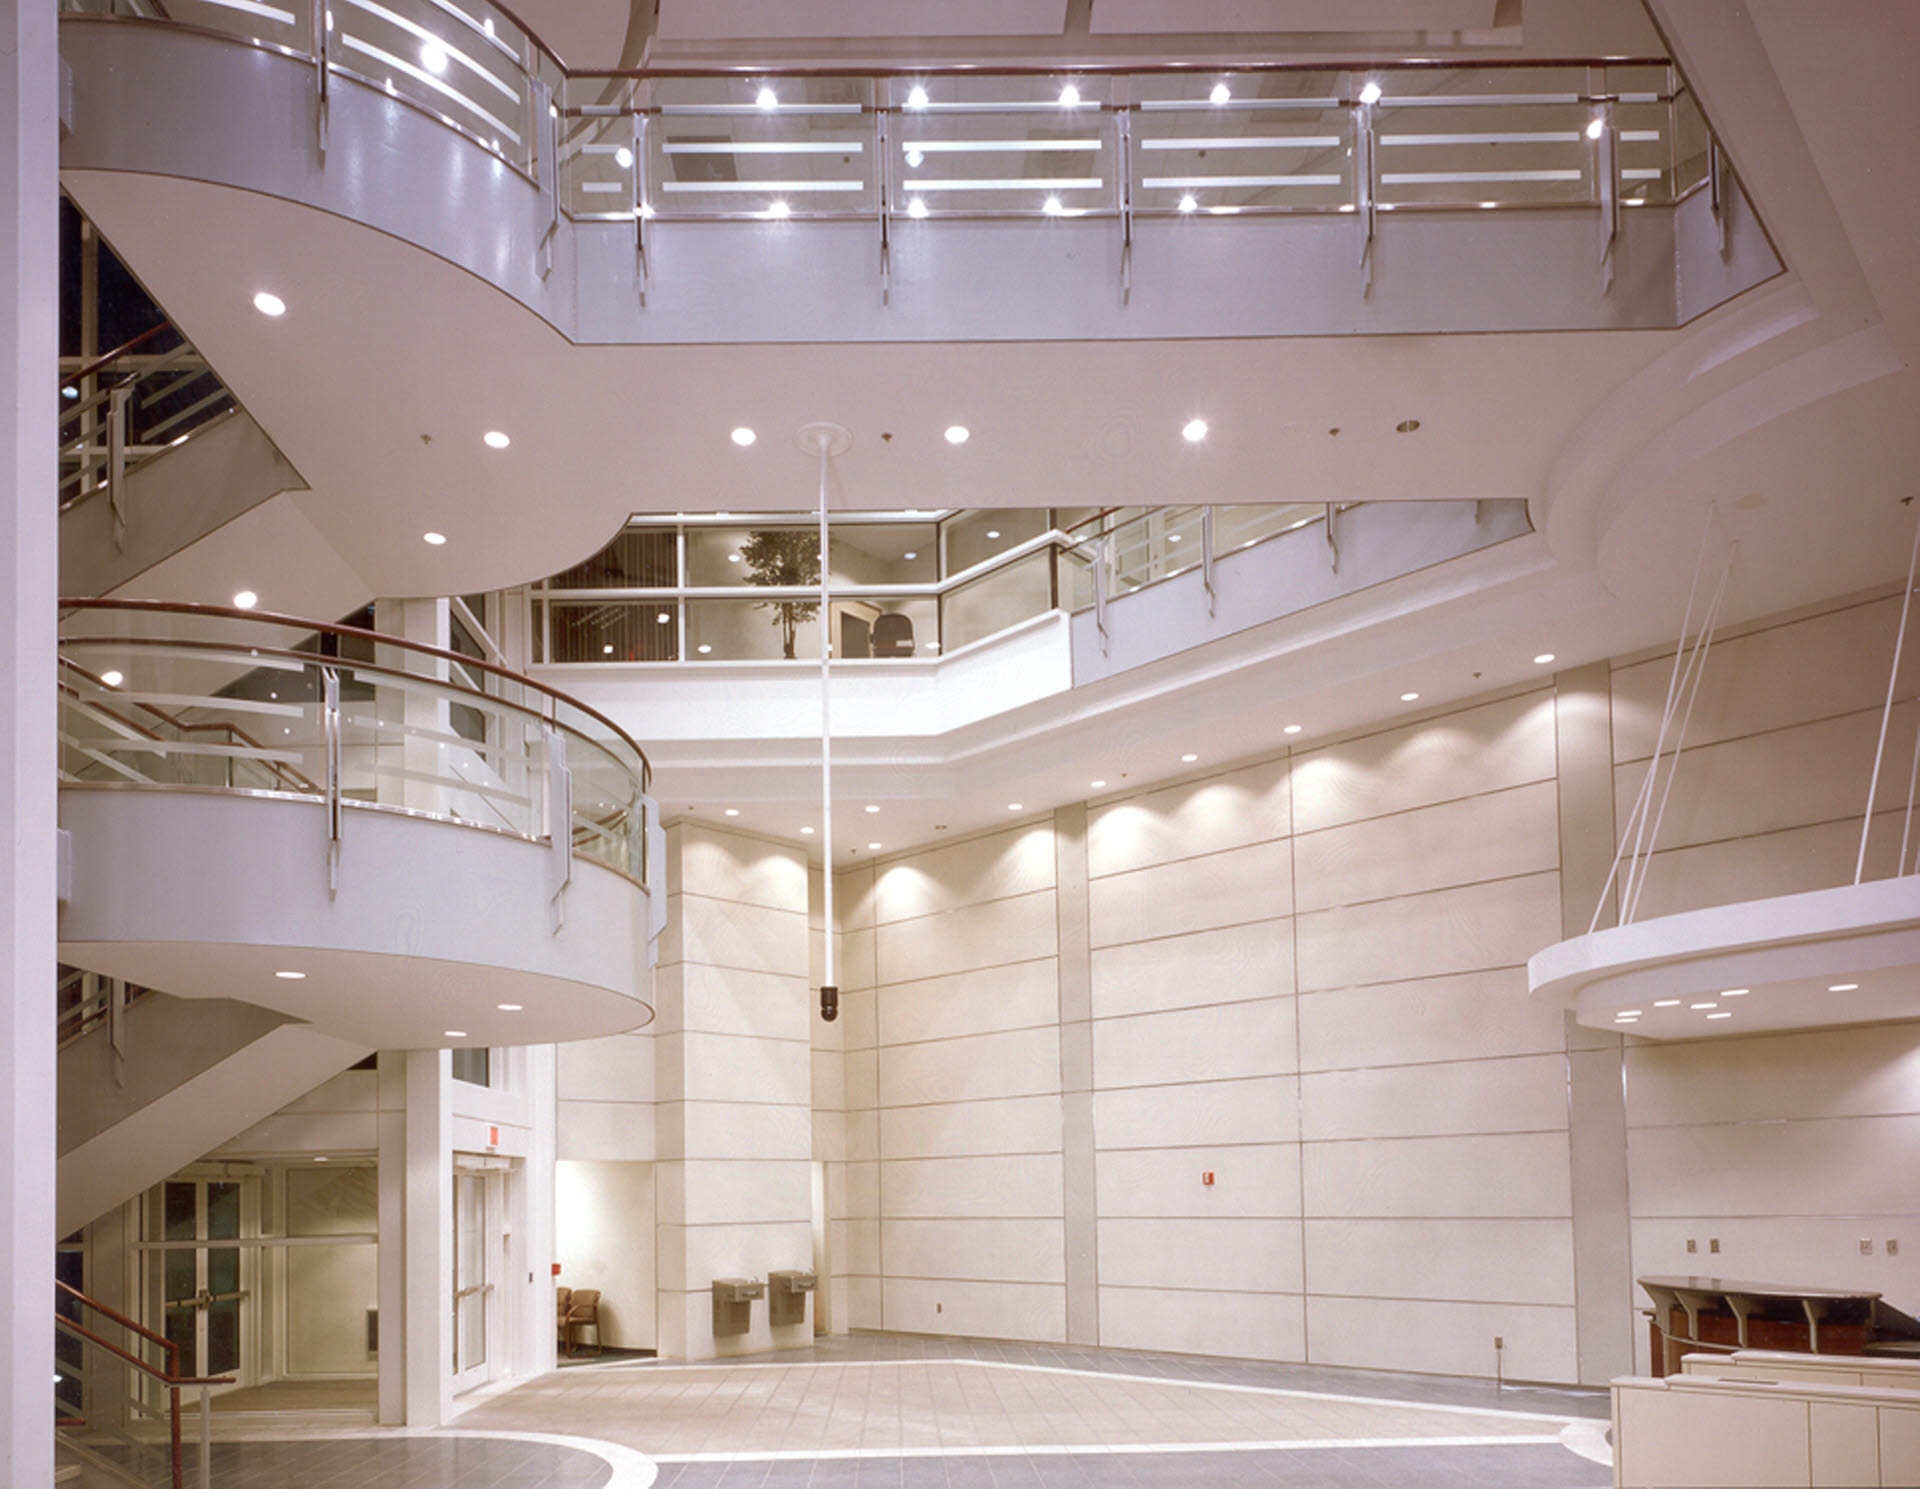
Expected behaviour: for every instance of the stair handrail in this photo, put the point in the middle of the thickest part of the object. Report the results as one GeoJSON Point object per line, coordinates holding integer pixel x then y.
{"type": "Point", "coordinates": [106, 359]}
{"type": "Point", "coordinates": [170, 1377]}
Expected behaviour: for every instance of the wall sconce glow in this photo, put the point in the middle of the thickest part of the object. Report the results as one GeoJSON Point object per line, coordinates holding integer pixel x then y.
{"type": "Point", "coordinates": [1370, 93]}
{"type": "Point", "coordinates": [246, 599]}
{"type": "Point", "coordinates": [434, 540]}
{"type": "Point", "coordinates": [1188, 203]}
{"type": "Point", "coordinates": [434, 57]}
{"type": "Point", "coordinates": [291, 976]}
{"type": "Point", "coordinates": [957, 434]}
{"type": "Point", "coordinates": [743, 436]}
{"type": "Point", "coordinates": [917, 98]}
{"type": "Point", "coordinates": [1596, 127]}
{"type": "Point", "coordinates": [1220, 94]}
{"type": "Point", "coordinates": [1193, 431]}
{"type": "Point", "coordinates": [1069, 97]}
{"type": "Point", "coordinates": [1838, 987]}
{"type": "Point", "coordinates": [112, 678]}
{"type": "Point", "coordinates": [917, 208]}
{"type": "Point", "coordinates": [623, 157]}
{"type": "Point", "coordinates": [766, 98]}
{"type": "Point", "coordinates": [1544, 658]}
{"type": "Point", "coordinates": [268, 303]}
{"type": "Point", "coordinates": [495, 439]}
{"type": "Point", "coordinates": [1291, 729]}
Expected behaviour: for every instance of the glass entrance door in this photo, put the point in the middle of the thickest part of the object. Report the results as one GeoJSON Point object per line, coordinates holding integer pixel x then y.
{"type": "Point", "coordinates": [198, 1286]}
{"type": "Point", "coordinates": [475, 1218]}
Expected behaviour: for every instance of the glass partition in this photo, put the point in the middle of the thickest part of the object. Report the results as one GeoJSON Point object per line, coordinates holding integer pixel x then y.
{"type": "Point", "coordinates": [994, 602]}
{"type": "Point", "coordinates": [972, 144]}
{"type": "Point", "coordinates": [760, 146]}
{"type": "Point", "coordinates": [1471, 135]}
{"type": "Point", "coordinates": [1233, 142]}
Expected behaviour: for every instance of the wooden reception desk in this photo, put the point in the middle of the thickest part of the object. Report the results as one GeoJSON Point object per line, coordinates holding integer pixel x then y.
{"type": "Point", "coordinates": [1714, 1313]}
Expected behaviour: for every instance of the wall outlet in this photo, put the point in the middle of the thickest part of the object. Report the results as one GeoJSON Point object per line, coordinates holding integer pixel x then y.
{"type": "Point", "coordinates": [937, 1307]}
{"type": "Point", "coordinates": [1866, 1246]}
{"type": "Point", "coordinates": [1893, 1247]}
{"type": "Point", "coordinates": [1692, 1245]}
{"type": "Point", "coordinates": [1713, 1244]}
{"type": "Point", "coordinates": [1498, 1342]}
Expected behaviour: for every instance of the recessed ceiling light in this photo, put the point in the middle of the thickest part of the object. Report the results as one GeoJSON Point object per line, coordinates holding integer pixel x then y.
{"type": "Point", "coordinates": [917, 98]}
{"type": "Point", "coordinates": [246, 599]}
{"type": "Point", "coordinates": [1544, 658]}
{"type": "Point", "coordinates": [112, 678]}
{"type": "Point", "coordinates": [917, 207]}
{"type": "Point", "coordinates": [1409, 697]}
{"type": "Point", "coordinates": [1194, 431]}
{"type": "Point", "coordinates": [1188, 759]}
{"type": "Point", "coordinates": [1370, 93]}
{"type": "Point", "coordinates": [872, 807]}
{"type": "Point", "coordinates": [1173, 537]}
{"type": "Point", "coordinates": [1838, 987]}
{"type": "Point", "coordinates": [910, 553]}
{"type": "Point", "coordinates": [69, 391]}
{"type": "Point", "coordinates": [1220, 94]}
{"type": "Point", "coordinates": [1291, 729]}
{"type": "Point", "coordinates": [767, 99]}
{"type": "Point", "coordinates": [1736, 992]}
{"type": "Point", "coordinates": [290, 976]}
{"type": "Point", "coordinates": [268, 303]}
{"type": "Point", "coordinates": [703, 648]}
{"type": "Point", "coordinates": [453, 1033]}
{"type": "Point", "coordinates": [733, 558]}
{"type": "Point", "coordinates": [1628, 1013]}
{"type": "Point", "coordinates": [873, 847]}
{"type": "Point", "coordinates": [1188, 203]}
{"type": "Point", "coordinates": [993, 532]}
{"type": "Point", "coordinates": [434, 540]}
{"type": "Point", "coordinates": [496, 439]}
{"type": "Point", "coordinates": [733, 811]}
{"type": "Point", "coordinates": [1719, 1015]}
{"type": "Point", "coordinates": [957, 434]}
{"type": "Point", "coordinates": [1097, 785]}
{"type": "Point", "coordinates": [806, 832]}
{"type": "Point", "coordinates": [1666, 1002]}
{"type": "Point", "coordinates": [664, 618]}
{"type": "Point", "coordinates": [1703, 1005]}
{"type": "Point", "coordinates": [743, 436]}
{"type": "Point", "coordinates": [607, 650]}
{"type": "Point", "coordinates": [1069, 97]}
{"type": "Point", "coordinates": [1014, 806]}
{"type": "Point", "coordinates": [511, 1007]}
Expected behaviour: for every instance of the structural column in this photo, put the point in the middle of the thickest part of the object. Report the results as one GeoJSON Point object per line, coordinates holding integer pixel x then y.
{"type": "Point", "coordinates": [29, 370]}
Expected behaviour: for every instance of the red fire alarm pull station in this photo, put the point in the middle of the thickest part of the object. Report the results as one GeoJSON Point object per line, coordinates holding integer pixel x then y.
{"type": "Point", "coordinates": [1206, 1176]}
{"type": "Point", "coordinates": [556, 1269]}
{"type": "Point", "coordinates": [493, 1137]}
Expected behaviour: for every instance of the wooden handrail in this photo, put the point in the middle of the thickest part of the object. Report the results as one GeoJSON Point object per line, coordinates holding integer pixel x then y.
{"type": "Point", "coordinates": [118, 352]}
{"type": "Point", "coordinates": [1117, 67]}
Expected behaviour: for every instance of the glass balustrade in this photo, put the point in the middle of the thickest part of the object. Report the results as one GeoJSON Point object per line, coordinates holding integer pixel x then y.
{"type": "Point", "coordinates": [957, 142]}
{"type": "Point", "coordinates": [195, 697]}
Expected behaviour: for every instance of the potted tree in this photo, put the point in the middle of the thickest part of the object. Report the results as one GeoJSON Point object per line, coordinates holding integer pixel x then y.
{"type": "Point", "coordinates": [788, 556]}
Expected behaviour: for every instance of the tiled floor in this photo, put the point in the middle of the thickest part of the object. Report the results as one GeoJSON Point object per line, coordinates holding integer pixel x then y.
{"type": "Point", "coordinates": [870, 1410]}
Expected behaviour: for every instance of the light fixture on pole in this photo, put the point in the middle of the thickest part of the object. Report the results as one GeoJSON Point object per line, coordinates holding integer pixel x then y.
{"type": "Point", "coordinates": [824, 441]}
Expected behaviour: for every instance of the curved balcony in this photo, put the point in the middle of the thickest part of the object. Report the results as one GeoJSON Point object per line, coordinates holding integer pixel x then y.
{"type": "Point", "coordinates": [400, 844]}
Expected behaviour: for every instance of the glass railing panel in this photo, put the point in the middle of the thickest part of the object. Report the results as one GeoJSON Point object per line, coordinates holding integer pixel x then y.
{"type": "Point", "coordinates": [757, 146]}
{"type": "Point", "coordinates": [997, 600]}
{"type": "Point", "coordinates": [983, 145]}
{"type": "Point", "coordinates": [1160, 543]}
{"type": "Point", "coordinates": [466, 63]}
{"type": "Point", "coordinates": [159, 389]}
{"type": "Point", "coordinates": [599, 148]}
{"type": "Point", "coordinates": [1241, 527]}
{"type": "Point", "coordinates": [1643, 125]}
{"type": "Point", "coordinates": [1692, 143]}
{"type": "Point", "coordinates": [286, 24]}
{"type": "Point", "coordinates": [108, 1406]}
{"type": "Point", "coordinates": [1260, 142]}
{"type": "Point", "coordinates": [978, 537]}
{"type": "Point", "coordinates": [1477, 136]}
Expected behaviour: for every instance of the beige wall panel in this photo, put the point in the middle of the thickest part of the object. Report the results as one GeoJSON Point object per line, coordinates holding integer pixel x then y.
{"type": "Point", "coordinates": [1228, 965]}
{"type": "Point", "coordinates": [1501, 835]}
{"type": "Point", "coordinates": [1149, 1183]}
{"type": "Point", "coordinates": [853, 898]}
{"type": "Point", "coordinates": [1029, 1124]}
{"type": "Point", "coordinates": [1228, 1255]}
{"type": "Point", "coordinates": [1442, 1338]}
{"type": "Point", "coordinates": [1447, 930]}
{"type": "Point", "coordinates": [1194, 1044]}
{"type": "Point", "coordinates": [718, 1129]}
{"type": "Point", "coordinates": [1792, 1247]}
{"type": "Point", "coordinates": [1522, 1176]}
{"type": "Point", "coordinates": [1525, 1094]}
{"type": "Point", "coordinates": [863, 1080]}
{"type": "Point", "coordinates": [1764, 783]}
{"type": "Point", "coordinates": [987, 1310]}
{"type": "Point", "coordinates": [725, 866]}
{"type": "Point", "coordinates": [1025, 995]}
{"type": "Point", "coordinates": [982, 1250]}
{"type": "Point", "coordinates": [1253, 1326]}
{"type": "Point", "coordinates": [863, 1189]}
{"type": "Point", "coordinates": [1204, 1114]}
{"type": "Point", "coordinates": [862, 1130]}
{"type": "Point", "coordinates": [860, 1249]}
{"type": "Point", "coordinates": [1783, 675]}
{"type": "Point", "coordinates": [619, 1068]}
{"type": "Point", "coordinates": [1023, 1063]}
{"type": "Point", "coordinates": [1011, 1186]}
{"type": "Point", "coordinates": [853, 960]}
{"type": "Point", "coordinates": [748, 1192]}
{"type": "Point", "coordinates": [998, 866]}
{"type": "Point", "coordinates": [725, 1067]}
{"type": "Point", "coordinates": [829, 1080]}
{"type": "Point", "coordinates": [1228, 888]}
{"type": "Point", "coordinates": [863, 1303]}
{"type": "Point", "coordinates": [1466, 1261]}
{"type": "Point", "coordinates": [603, 1129]}
{"type": "Point", "coordinates": [1189, 819]}
{"type": "Point", "coordinates": [1467, 1016]}
{"type": "Point", "coordinates": [349, 1091]}
{"type": "Point", "coordinates": [997, 934]}
{"type": "Point", "coordinates": [743, 1250]}
{"type": "Point", "coordinates": [1484, 748]}
{"type": "Point", "coordinates": [722, 1000]}
{"type": "Point", "coordinates": [747, 938]}
{"type": "Point", "coordinates": [1868, 1071]}
{"type": "Point", "coordinates": [830, 1138]}
{"type": "Point", "coordinates": [1777, 1168]}
{"type": "Point", "coordinates": [1775, 863]}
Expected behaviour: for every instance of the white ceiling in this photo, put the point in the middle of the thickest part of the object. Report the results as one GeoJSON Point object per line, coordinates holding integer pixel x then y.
{"type": "Point", "coordinates": [1789, 411]}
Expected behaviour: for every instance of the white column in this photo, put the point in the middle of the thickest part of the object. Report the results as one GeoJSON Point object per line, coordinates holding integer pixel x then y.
{"type": "Point", "coordinates": [429, 1241]}
{"type": "Point", "coordinates": [29, 368]}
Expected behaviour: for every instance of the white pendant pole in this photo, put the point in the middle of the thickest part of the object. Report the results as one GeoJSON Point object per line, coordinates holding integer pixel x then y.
{"type": "Point", "coordinates": [826, 441]}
